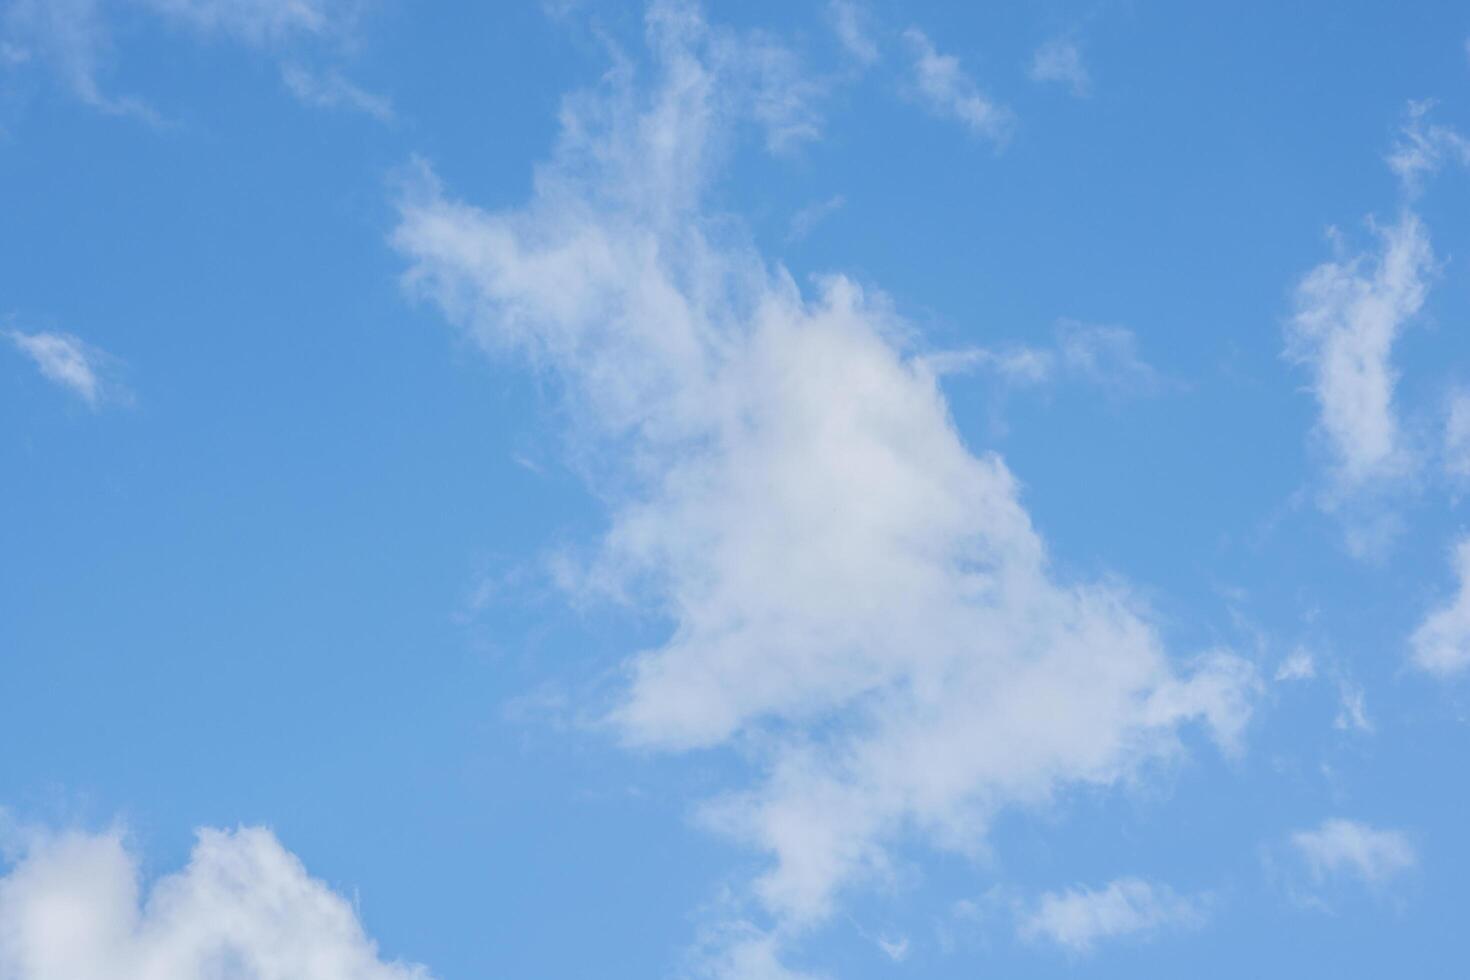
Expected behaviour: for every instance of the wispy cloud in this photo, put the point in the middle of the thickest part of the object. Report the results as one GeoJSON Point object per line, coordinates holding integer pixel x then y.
{"type": "Point", "coordinates": [1423, 147]}
{"type": "Point", "coordinates": [1106, 356]}
{"type": "Point", "coordinates": [74, 40]}
{"type": "Point", "coordinates": [850, 23]}
{"type": "Point", "coordinates": [1352, 709]}
{"type": "Point", "coordinates": [1455, 450]}
{"type": "Point", "coordinates": [257, 21]}
{"type": "Point", "coordinates": [803, 221]}
{"type": "Point", "coordinates": [1340, 848]}
{"type": "Point", "coordinates": [1441, 643]}
{"type": "Point", "coordinates": [1079, 918]}
{"type": "Point", "coordinates": [329, 90]}
{"type": "Point", "coordinates": [905, 657]}
{"type": "Point", "coordinates": [949, 91]}
{"type": "Point", "coordinates": [71, 908]}
{"type": "Point", "coordinates": [71, 363]}
{"type": "Point", "coordinates": [69, 37]}
{"type": "Point", "coordinates": [1060, 61]}
{"type": "Point", "coordinates": [1298, 666]}
{"type": "Point", "coordinates": [1349, 313]}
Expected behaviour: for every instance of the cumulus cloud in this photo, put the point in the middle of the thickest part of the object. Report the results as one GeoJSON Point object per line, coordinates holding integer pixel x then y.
{"type": "Point", "coordinates": [1348, 314]}
{"type": "Point", "coordinates": [1348, 849]}
{"type": "Point", "coordinates": [329, 90]}
{"type": "Point", "coordinates": [1060, 60]}
{"type": "Point", "coordinates": [72, 906]}
{"type": "Point", "coordinates": [71, 363]}
{"type": "Point", "coordinates": [1080, 917]}
{"type": "Point", "coordinates": [852, 594]}
{"type": "Point", "coordinates": [949, 91]}
{"type": "Point", "coordinates": [1441, 644]}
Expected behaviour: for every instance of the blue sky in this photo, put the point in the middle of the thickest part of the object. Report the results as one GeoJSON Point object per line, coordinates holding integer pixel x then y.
{"type": "Point", "coordinates": [747, 491]}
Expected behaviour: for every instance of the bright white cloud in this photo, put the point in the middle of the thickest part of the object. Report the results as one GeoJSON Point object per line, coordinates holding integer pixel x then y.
{"type": "Point", "coordinates": [1348, 315]}
{"type": "Point", "coordinates": [1441, 644]}
{"type": "Point", "coordinates": [329, 90]}
{"type": "Point", "coordinates": [1060, 60]}
{"type": "Point", "coordinates": [244, 908]}
{"type": "Point", "coordinates": [1080, 917]}
{"type": "Point", "coordinates": [849, 21]}
{"type": "Point", "coordinates": [1347, 848]}
{"type": "Point", "coordinates": [70, 362]}
{"type": "Point", "coordinates": [949, 91]}
{"type": "Point", "coordinates": [848, 586]}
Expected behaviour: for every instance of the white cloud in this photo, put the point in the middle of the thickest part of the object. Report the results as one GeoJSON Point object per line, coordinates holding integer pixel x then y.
{"type": "Point", "coordinates": [74, 40]}
{"type": "Point", "coordinates": [1424, 147]}
{"type": "Point", "coordinates": [1348, 315]}
{"type": "Point", "coordinates": [849, 21]}
{"type": "Point", "coordinates": [69, 362]}
{"type": "Point", "coordinates": [896, 950]}
{"type": "Point", "coordinates": [1352, 709]}
{"type": "Point", "coordinates": [803, 221]}
{"type": "Point", "coordinates": [244, 907]}
{"type": "Point", "coordinates": [851, 593]}
{"type": "Point", "coordinates": [1079, 917]}
{"type": "Point", "coordinates": [1100, 355]}
{"type": "Point", "coordinates": [1298, 666]}
{"type": "Point", "coordinates": [329, 90]}
{"type": "Point", "coordinates": [1060, 60]}
{"type": "Point", "coordinates": [949, 91]}
{"type": "Point", "coordinates": [1347, 848]}
{"type": "Point", "coordinates": [1456, 449]}
{"type": "Point", "coordinates": [255, 21]}
{"type": "Point", "coordinates": [1441, 644]}
{"type": "Point", "coordinates": [70, 37]}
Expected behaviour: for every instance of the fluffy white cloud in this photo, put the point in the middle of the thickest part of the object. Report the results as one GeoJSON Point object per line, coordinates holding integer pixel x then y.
{"type": "Point", "coordinates": [852, 593]}
{"type": "Point", "coordinates": [243, 908]}
{"type": "Point", "coordinates": [1348, 315]}
{"type": "Point", "coordinates": [1441, 644]}
{"type": "Point", "coordinates": [1079, 917]}
{"type": "Point", "coordinates": [1347, 848]}
{"type": "Point", "coordinates": [70, 362]}
{"type": "Point", "coordinates": [1060, 60]}
{"type": "Point", "coordinates": [949, 91]}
